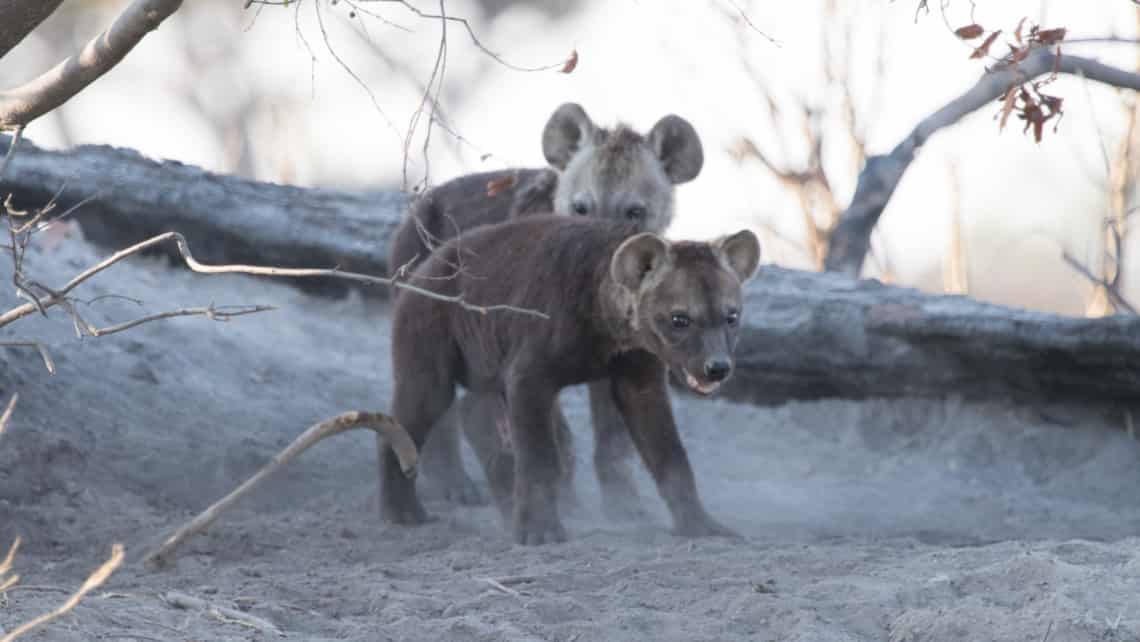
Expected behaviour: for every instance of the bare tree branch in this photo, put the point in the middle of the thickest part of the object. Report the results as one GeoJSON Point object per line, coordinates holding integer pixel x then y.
{"type": "Point", "coordinates": [23, 104]}
{"type": "Point", "coordinates": [59, 296]}
{"type": "Point", "coordinates": [850, 240]}
{"type": "Point", "coordinates": [752, 25]}
{"type": "Point", "coordinates": [1117, 299]}
{"type": "Point", "coordinates": [223, 313]}
{"type": "Point", "coordinates": [18, 18]}
{"type": "Point", "coordinates": [384, 426]}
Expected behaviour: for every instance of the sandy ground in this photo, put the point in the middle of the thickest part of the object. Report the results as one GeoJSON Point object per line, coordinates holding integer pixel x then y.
{"type": "Point", "coordinates": [862, 521]}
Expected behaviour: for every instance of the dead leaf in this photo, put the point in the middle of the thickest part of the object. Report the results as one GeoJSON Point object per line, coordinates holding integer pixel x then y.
{"type": "Point", "coordinates": [1050, 36]}
{"type": "Point", "coordinates": [1007, 107]}
{"type": "Point", "coordinates": [571, 62]}
{"type": "Point", "coordinates": [497, 185]}
{"type": "Point", "coordinates": [985, 46]}
{"type": "Point", "coordinates": [969, 32]}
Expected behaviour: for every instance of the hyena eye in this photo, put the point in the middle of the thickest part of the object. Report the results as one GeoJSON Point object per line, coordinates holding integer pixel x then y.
{"type": "Point", "coordinates": [580, 207]}
{"type": "Point", "coordinates": [732, 317]}
{"type": "Point", "coordinates": [635, 213]}
{"type": "Point", "coordinates": [680, 320]}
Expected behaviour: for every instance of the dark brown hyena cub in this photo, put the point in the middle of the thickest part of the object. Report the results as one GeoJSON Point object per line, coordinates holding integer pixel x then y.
{"type": "Point", "coordinates": [594, 172]}
{"type": "Point", "coordinates": [621, 308]}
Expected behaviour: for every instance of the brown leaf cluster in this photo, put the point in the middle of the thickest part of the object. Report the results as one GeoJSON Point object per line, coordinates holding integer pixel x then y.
{"type": "Point", "coordinates": [1026, 100]}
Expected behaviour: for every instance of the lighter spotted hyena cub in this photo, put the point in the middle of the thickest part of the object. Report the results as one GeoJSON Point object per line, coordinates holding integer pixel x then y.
{"type": "Point", "coordinates": [616, 174]}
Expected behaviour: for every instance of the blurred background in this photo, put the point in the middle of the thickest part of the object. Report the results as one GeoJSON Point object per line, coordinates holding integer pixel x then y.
{"type": "Point", "coordinates": [327, 93]}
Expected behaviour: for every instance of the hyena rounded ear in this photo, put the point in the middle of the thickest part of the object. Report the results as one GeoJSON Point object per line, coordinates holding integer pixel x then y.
{"type": "Point", "coordinates": [678, 146]}
{"type": "Point", "coordinates": [568, 129]}
{"type": "Point", "coordinates": [636, 257]}
{"type": "Point", "coordinates": [741, 252]}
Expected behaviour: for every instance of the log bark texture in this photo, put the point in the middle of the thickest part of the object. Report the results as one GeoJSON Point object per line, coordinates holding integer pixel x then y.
{"type": "Point", "coordinates": [225, 219]}
{"type": "Point", "coordinates": [825, 335]}
{"type": "Point", "coordinates": [806, 335]}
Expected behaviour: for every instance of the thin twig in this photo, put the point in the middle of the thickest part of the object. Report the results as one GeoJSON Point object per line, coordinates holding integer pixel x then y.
{"type": "Point", "coordinates": [753, 26]}
{"type": "Point", "coordinates": [471, 33]}
{"type": "Point", "coordinates": [383, 425]}
{"type": "Point", "coordinates": [16, 136]}
{"type": "Point", "coordinates": [95, 580]}
{"type": "Point", "coordinates": [6, 565]}
{"type": "Point", "coordinates": [436, 79]}
{"type": "Point", "coordinates": [498, 586]}
{"type": "Point", "coordinates": [210, 312]}
{"type": "Point", "coordinates": [4, 419]}
{"type": "Point", "coordinates": [48, 363]}
{"type": "Point", "coordinates": [340, 61]}
{"type": "Point", "coordinates": [190, 603]}
{"type": "Point", "coordinates": [184, 250]}
{"type": "Point", "coordinates": [1116, 297]}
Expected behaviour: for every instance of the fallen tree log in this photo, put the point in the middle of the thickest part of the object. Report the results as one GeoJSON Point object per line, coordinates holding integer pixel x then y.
{"type": "Point", "coordinates": [807, 335]}
{"type": "Point", "coordinates": [825, 335]}
{"type": "Point", "coordinates": [225, 219]}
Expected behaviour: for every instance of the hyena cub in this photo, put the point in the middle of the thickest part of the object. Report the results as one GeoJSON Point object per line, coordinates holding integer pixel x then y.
{"type": "Point", "coordinates": [594, 172]}
{"type": "Point", "coordinates": [623, 308]}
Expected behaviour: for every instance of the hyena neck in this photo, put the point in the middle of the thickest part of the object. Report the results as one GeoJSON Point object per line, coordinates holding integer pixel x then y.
{"type": "Point", "coordinates": [617, 314]}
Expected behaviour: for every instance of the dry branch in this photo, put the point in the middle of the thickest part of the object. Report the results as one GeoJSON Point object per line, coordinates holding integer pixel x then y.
{"type": "Point", "coordinates": [39, 347]}
{"type": "Point", "coordinates": [58, 297]}
{"type": "Point", "coordinates": [850, 240]}
{"type": "Point", "coordinates": [1107, 286]}
{"type": "Point", "coordinates": [24, 104]}
{"type": "Point", "coordinates": [6, 565]}
{"type": "Point", "coordinates": [4, 419]}
{"type": "Point", "coordinates": [384, 426]}
{"type": "Point", "coordinates": [94, 581]}
{"type": "Point", "coordinates": [222, 613]}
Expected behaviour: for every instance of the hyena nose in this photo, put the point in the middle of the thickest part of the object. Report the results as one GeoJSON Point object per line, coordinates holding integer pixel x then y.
{"type": "Point", "coordinates": [718, 369]}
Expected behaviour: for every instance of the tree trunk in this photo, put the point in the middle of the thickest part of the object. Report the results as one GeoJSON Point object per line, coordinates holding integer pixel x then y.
{"type": "Point", "coordinates": [18, 18]}
{"type": "Point", "coordinates": [806, 335]}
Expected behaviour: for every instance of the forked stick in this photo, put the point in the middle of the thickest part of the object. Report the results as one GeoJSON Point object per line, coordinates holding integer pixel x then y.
{"type": "Point", "coordinates": [382, 424]}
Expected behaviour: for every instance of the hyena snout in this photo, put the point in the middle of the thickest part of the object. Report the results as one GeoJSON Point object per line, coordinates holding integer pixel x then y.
{"type": "Point", "coordinates": [718, 368]}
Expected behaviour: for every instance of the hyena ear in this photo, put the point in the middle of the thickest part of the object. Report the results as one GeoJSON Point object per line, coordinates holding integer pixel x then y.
{"type": "Point", "coordinates": [568, 129]}
{"type": "Point", "coordinates": [636, 257]}
{"type": "Point", "coordinates": [678, 147]}
{"type": "Point", "coordinates": [741, 251]}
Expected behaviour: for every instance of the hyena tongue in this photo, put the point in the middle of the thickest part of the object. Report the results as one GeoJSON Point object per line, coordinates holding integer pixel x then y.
{"type": "Point", "coordinates": [703, 388]}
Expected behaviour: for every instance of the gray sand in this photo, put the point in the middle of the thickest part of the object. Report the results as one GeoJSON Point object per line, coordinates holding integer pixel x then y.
{"type": "Point", "coordinates": [918, 520]}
